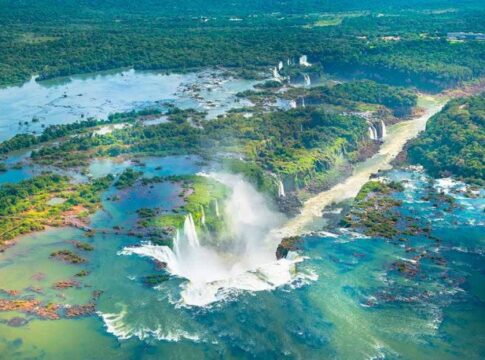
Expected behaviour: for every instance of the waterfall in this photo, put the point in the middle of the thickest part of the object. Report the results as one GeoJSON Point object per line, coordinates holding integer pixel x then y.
{"type": "Point", "coordinates": [276, 74]}
{"type": "Point", "coordinates": [308, 81]}
{"type": "Point", "coordinates": [373, 132]}
{"type": "Point", "coordinates": [292, 104]}
{"type": "Point", "coordinates": [218, 214]}
{"type": "Point", "coordinates": [383, 130]}
{"type": "Point", "coordinates": [379, 132]}
{"type": "Point", "coordinates": [190, 233]}
{"type": "Point", "coordinates": [303, 102]}
{"type": "Point", "coordinates": [304, 61]}
{"type": "Point", "coordinates": [247, 261]}
{"type": "Point", "coordinates": [281, 189]}
{"type": "Point", "coordinates": [280, 65]}
{"type": "Point", "coordinates": [202, 218]}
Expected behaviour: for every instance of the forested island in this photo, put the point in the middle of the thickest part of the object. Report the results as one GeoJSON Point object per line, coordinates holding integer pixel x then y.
{"type": "Point", "coordinates": [175, 176]}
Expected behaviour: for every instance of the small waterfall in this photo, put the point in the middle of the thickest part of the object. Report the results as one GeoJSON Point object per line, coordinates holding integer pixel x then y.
{"type": "Point", "coordinates": [373, 132]}
{"type": "Point", "coordinates": [303, 102]}
{"type": "Point", "coordinates": [202, 219]}
{"type": "Point", "coordinates": [304, 61]}
{"type": "Point", "coordinates": [190, 233]}
{"type": "Point", "coordinates": [292, 104]}
{"type": "Point", "coordinates": [280, 65]}
{"type": "Point", "coordinates": [383, 130]}
{"type": "Point", "coordinates": [308, 81]}
{"type": "Point", "coordinates": [281, 189]}
{"type": "Point", "coordinates": [218, 214]}
{"type": "Point", "coordinates": [276, 74]}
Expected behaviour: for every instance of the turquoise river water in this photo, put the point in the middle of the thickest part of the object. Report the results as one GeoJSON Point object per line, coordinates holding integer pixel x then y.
{"type": "Point", "coordinates": [343, 300]}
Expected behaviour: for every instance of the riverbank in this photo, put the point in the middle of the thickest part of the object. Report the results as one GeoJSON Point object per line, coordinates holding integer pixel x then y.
{"type": "Point", "coordinates": [397, 137]}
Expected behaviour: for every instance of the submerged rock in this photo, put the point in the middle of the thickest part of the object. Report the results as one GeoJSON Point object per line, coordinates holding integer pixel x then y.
{"type": "Point", "coordinates": [80, 310]}
{"type": "Point", "coordinates": [17, 322]}
{"type": "Point", "coordinates": [67, 256]}
{"type": "Point", "coordinates": [154, 280]}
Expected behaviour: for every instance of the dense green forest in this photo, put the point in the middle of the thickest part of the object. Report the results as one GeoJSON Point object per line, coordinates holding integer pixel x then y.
{"type": "Point", "coordinates": [454, 141]}
{"type": "Point", "coordinates": [373, 40]}
{"type": "Point", "coordinates": [301, 145]}
{"type": "Point", "coordinates": [399, 100]}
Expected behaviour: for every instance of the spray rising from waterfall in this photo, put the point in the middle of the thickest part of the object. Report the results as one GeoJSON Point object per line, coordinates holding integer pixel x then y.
{"type": "Point", "coordinates": [246, 261]}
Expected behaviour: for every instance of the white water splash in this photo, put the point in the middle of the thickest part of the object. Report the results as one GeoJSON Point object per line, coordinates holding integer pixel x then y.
{"type": "Point", "coordinates": [117, 325]}
{"type": "Point", "coordinates": [247, 261]}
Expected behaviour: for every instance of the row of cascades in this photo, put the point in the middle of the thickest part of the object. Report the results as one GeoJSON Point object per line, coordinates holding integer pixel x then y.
{"type": "Point", "coordinates": [377, 131]}
{"type": "Point", "coordinates": [302, 61]}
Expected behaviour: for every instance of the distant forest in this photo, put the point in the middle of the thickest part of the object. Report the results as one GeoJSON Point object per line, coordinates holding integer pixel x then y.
{"type": "Point", "coordinates": [397, 42]}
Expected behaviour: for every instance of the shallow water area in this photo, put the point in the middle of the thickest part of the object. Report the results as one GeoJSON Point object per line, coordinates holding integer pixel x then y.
{"type": "Point", "coordinates": [34, 105]}
{"type": "Point", "coordinates": [353, 305]}
{"type": "Point", "coordinates": [337, 297]}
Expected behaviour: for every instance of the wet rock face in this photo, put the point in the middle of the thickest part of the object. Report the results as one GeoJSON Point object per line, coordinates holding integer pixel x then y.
{"type": "Point", "coordinates": [289, 205]}
{"type": "Point", "coordinates": [288, 244]}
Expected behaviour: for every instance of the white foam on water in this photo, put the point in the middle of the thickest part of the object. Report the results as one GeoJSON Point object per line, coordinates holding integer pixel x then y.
{"type": "Point", "coordinates": [117, 325]}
